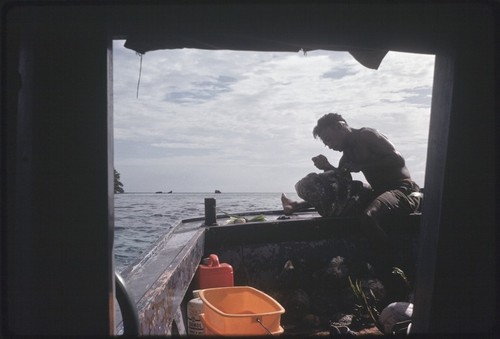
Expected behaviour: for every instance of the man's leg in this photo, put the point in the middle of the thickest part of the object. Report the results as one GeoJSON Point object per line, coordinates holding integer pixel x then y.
{"type": "Point", "coordinates": [371, 224]}
{"type": "Point", "coordinates": [384, 258]}
{"type": "Point", "coordinates": [290, 206]}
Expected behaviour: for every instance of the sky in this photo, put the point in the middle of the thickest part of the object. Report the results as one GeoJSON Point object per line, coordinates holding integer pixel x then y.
{"type": "Point", "coordinates": [240, 121]}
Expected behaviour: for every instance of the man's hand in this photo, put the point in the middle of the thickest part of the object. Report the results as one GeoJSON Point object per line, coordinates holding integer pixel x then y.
{"type": "Point", "coordinates": [321, 162]}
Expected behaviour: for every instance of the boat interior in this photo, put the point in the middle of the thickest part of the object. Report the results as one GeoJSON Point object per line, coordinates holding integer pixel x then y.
{"type": "Point", "coordinates": [288, 257]}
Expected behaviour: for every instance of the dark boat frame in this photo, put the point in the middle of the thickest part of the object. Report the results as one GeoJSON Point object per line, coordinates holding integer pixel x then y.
{"type": "Point", "coordinates": [57, 141]}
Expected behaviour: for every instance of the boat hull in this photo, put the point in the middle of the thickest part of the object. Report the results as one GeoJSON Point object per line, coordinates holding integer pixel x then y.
{"type": "Point", "coordinates": [162, 281]}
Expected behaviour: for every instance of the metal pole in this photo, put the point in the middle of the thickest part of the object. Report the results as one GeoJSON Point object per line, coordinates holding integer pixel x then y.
{"type": "Point", "coordinates": [210, 216]}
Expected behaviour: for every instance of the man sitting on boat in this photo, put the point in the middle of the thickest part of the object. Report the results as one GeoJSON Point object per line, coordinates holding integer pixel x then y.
{"type": "Point", "coordinates": [391, 189]}
{"type": "Point", "coordinates": [367, 150]}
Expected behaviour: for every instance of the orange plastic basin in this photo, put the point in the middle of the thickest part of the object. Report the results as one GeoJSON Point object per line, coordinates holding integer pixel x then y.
{"type": "Point", "coordinates": [240, 310]}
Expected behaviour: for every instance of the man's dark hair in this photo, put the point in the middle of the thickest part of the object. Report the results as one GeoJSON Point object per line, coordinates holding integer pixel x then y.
{"type": "Point", "coordinates": [327, 120]}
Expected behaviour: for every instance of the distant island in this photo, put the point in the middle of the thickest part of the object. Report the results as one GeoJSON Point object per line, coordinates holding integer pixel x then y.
{"type": "Point", "coordinates": [217, 191]}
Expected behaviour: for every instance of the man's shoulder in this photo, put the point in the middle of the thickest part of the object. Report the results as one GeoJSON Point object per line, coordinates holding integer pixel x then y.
{"type": "Point", "coordinates": [368, 132]}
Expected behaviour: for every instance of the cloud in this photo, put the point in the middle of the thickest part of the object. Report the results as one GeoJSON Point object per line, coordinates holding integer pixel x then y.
{"type": "Point", "coordinates": [201, 91]}
{"type": "Point", "coordinates": [245, 119]}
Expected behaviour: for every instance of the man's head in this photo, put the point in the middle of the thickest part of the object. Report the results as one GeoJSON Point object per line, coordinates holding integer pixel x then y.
{"type": "Point", "coordinates": [331, 129]}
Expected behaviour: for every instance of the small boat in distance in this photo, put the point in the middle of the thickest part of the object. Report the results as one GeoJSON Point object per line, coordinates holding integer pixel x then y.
{"type": "Point", "coordinates": [159, 192]}
{"type": "Point", "coordinates": [169, 192]}
{"type": "Point", "coordinates": [217, 191]}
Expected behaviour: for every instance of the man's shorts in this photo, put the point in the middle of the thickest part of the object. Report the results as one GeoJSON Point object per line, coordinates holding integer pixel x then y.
{"type": "Point", "coordinates": [405, 199]}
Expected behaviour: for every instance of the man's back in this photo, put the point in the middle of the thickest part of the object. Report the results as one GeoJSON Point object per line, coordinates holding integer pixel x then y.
{"type": "Point", "coordinates": [370, 151]}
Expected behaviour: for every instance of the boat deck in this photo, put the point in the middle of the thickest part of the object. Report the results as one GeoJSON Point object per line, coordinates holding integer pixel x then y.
{"type": "Point", "coordinates": [161, 281]}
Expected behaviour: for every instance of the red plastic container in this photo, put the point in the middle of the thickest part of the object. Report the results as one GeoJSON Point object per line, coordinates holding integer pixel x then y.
{"type": "Point", "coordinates": [214, 274]}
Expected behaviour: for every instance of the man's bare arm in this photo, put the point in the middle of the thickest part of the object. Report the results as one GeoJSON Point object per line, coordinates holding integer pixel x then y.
{"type": "Point", "coordinates": [322, 163]}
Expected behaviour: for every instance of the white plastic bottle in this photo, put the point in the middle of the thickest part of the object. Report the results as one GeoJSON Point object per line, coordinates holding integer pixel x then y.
{"type": "Point", "coordinates": [194, 309]}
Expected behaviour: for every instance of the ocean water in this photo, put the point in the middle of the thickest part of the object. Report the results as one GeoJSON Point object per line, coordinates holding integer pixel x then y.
{"type": "Point", "coordinates": [142, 218]}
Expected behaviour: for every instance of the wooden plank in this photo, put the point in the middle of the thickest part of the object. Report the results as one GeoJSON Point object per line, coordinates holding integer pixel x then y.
{"type": "Point", "coordinates": [160, 281]}
{"type": "Point", "coordinates": [303, 228]}
{"type": "Point", "coordinates": [179, 324]}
